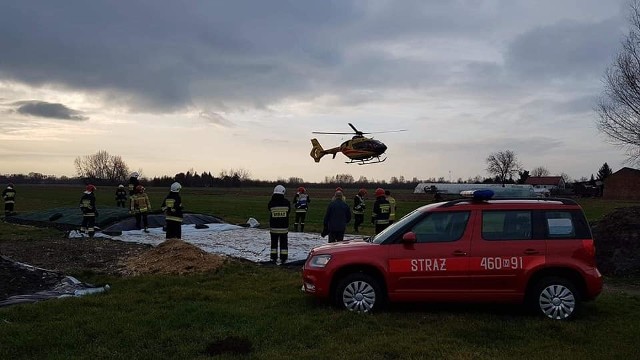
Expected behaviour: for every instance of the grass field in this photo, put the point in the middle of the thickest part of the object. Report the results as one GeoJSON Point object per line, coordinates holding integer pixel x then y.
{"type": "Point", "coordinates": [262, 308]}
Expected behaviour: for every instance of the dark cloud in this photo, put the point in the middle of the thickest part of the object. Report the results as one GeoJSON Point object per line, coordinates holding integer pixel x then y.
{"type": "Point", "coordinates": [48, 110]}
{"type": "Point", "coordinates": [215, 118]}
{"type": "Point", "coordinates": [159, 56]}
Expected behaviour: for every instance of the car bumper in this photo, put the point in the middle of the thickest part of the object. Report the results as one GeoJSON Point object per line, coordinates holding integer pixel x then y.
{"type": "Point", "coordinates": [594, 284]}
{"type": "Point", "coordinates": [315, 283]}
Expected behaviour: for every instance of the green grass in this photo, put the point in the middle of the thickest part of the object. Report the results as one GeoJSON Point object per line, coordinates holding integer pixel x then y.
{"type": "Point", "coordinates": [172, 317]}
{"type": "Point", "coordinates": [164, 317]}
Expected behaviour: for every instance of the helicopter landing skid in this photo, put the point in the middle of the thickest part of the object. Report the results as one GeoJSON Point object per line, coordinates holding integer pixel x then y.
{"type": "Point", "coordinates": [366, 162]}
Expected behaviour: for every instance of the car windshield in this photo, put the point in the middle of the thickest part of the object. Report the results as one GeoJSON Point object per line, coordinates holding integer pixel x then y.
{"type": "Point", "coordinates": [382, 236]}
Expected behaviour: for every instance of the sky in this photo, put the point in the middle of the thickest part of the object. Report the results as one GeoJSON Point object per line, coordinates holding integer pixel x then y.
{"type": "Point", "coordinates": [218, 85]}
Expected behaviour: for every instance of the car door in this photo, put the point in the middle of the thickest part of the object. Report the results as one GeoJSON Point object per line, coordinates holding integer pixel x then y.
{"type": "Point", "coordinates": [436, 263]}
{"type": "Point", "coordinates": [504, 247]}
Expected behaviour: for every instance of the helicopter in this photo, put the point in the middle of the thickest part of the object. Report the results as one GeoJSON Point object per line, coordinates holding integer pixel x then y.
{"type": "Point", "coordinates": [360, 149]}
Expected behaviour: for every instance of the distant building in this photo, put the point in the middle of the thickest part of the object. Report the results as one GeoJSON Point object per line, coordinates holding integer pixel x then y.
{"type": "Point", "coordinates": [546, 182]}
{"type": "Point", "coordinates": [623, 184]}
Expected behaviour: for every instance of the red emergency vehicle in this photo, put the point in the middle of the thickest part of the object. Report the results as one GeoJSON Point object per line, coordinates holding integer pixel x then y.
{"type": "Point", "coordinates": [535, 251]}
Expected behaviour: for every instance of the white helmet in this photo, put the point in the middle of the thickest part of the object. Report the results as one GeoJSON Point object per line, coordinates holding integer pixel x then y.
{"type": "Point", "coordinates": [279, 190]}
{"type": "Point", "coordinates": [175, 187]}
{"type": "Point", "coordinates": [135, 175]}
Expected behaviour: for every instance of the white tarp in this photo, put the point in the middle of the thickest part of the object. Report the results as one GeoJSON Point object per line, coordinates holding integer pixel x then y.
{"type": "Point", "coordinates": [226, 239]}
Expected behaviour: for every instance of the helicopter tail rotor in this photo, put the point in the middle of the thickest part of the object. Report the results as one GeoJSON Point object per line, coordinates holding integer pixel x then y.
{"type": "Point", "coordinates": [317, 152]}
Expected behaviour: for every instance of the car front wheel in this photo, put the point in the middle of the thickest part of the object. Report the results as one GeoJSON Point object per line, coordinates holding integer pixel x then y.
{"type": "Point", "coordinates": [556, 298]}
{"type": "Point", "coordinates": [359, 292]}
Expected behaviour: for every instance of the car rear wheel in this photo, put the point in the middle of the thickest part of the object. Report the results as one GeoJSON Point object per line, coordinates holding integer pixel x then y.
{"type": "Point", "coordinates": [359, 292]}
{"type": "Point", "coordinates": [556, 298]}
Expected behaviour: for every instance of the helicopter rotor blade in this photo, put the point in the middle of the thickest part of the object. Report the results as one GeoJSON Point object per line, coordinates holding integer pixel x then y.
{"type": "Point", "coordinates": [356, 130]}
{"type": "Point", "coordinates": [383, 132]}
{"type": "Point", "coordinates": [332, 133]}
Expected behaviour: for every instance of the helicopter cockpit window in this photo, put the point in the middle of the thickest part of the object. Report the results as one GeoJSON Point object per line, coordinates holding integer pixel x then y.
{"type": "Point", "coordinates": [364, 145]}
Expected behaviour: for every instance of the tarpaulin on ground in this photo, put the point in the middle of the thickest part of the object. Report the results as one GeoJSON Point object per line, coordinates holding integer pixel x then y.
{"type": "Point", "coordinates": [43, 284]}
{"type": "Point", "coordinates": [68, 218]}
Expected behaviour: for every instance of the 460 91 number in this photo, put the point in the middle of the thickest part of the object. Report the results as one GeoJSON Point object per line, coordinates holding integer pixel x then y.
{"type": "Point", "coordinates": [497, 263]}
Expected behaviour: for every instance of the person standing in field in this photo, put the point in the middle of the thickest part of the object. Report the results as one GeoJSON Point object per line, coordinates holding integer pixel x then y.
{"type": "Point", "coordinates": [301, 202]}
{"type": "Point", "coordinates": [279, 208]}
{"type": "Point", "coordinates": [172, 207]}
{"type": "Point", "coordinates": [89, 210]}
{"type": "Point", "coordinates": [121, 196]}
{"type": "Point", "coordinates": [9, 197]}
{"type": "Point", "coordinates": [381, 211]}
{"type": "Point", "coordinates": [392, 206]}
{"type": "Point", "coordinates": [140, 207]}
{"type": "Point", "coordinates": [358, 209]}
{"type": "Point", "coordinates": [133, 182]}
{"type": "Point", "coordinates": [337, 217]}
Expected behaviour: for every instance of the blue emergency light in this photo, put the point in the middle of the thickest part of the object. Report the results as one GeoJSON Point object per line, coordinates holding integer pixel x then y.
{"type": "Point", "coordinates": [478, 195]}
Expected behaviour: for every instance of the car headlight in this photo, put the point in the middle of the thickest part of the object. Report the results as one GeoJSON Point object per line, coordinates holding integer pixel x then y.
{"type": "Point", "coordinates": [319, 261]}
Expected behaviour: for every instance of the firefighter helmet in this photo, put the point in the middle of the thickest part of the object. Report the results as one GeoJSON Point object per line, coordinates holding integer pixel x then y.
{"type": "Point", "coordinates": [120, 186]}
{"type": "Point", "coordinates": [175, 187]}
{"type": "Point", "coordinates": [10, 186]}
{"type": "Point", "coordinates": [379, 192]}
{"type": "Point", "coordinates": [301, 190]}
{"type": "Point", "coordinates": [279, 189]}
{"type": "Point", "coordinates": [338, 188]}
{"type": "Point", "coordinates": [362, 192]}
{"type": "Point", "coordinates": [91, 188]}
{"type": "Point", "coordinates": [139, 189]}
{"type": "Point", "coordinates": [135, 175]}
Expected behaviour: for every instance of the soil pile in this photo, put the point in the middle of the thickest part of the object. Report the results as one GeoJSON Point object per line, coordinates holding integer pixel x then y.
{"type": "Point", "coordinates": [617, 240]}
{"type": "Point", "coordinates": [174, 257]}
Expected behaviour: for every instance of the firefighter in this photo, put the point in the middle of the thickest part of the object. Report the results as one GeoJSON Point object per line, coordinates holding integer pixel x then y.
{"type": "Point", "coordinates": [358, 209]}
{"type": "Point", "coordinates": [381, 211]}
{"type": "Point", "coordinates": [9, 197]}
{"type": "Point", "coordinates": [301, 202]}
{"type": "Point", "coordinates": [279, 208]}
{"type": "Point", "coordinates": [121, 196]}
{"type": "Point", "coordinates": [140, 207]}
{"type": "Point", "coordinates": [392, 206]}
{"type": "Point", "coordinates": [172, 207]}
{"type": "Point", "coordinates": [133, 182]}
{"type": "Point", "coordinates": [89, 210]}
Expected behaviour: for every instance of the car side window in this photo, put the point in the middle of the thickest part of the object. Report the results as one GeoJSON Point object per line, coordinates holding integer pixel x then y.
{"type": "Point", "coordinates": [560, 224]}
{"type": "Point", "coordinates": [506, 225]}
{"type": "Point", "coordinates": [441, 227]}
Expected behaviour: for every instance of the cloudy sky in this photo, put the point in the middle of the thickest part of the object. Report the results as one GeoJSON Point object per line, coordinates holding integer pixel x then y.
{"type": "Point", "coordinates": [216, 85]}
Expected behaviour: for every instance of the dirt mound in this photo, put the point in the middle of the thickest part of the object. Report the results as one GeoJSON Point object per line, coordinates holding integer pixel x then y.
{"type": "Point", "coordinates": [173, 257]}
{"type": "Point", "coordinates": [617, 239]}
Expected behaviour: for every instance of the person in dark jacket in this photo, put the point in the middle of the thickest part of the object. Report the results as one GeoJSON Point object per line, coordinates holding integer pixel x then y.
{"type": "Point", "coordinates": [121, 196]}
{"type": "Point", "coordinates": [9, 197]}
{"type": "Point", "coordinates": [89, 210]}
{"type": "Point", "coordinates": [358, 209]}
{"type": "Point", "coordinates": [133, 183]}
{"type": "Point", "coordinates": [337, 217]}
{"type": "Point", "coordinates": [279, 208]}
{"type": "Point", "coordinates": [301, 202]}
{"type": "Point", "coordinates": [381, 211]}
{"type": "Point", "coordinates": [172, 207]}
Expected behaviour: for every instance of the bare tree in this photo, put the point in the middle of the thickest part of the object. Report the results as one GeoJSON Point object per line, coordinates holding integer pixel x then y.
{"type": "Point", "coordinates": [101, 165]}
{"type": "Point", "coordinates": [619, 105]}
{"type": "Point", "coordinates": [540, 171]}
{"type": "Point", "coordinates": [503, 164]}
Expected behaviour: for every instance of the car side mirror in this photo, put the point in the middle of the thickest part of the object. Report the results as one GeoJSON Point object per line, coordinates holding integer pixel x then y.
{"type": "Point", "coordinates": [409, 237]}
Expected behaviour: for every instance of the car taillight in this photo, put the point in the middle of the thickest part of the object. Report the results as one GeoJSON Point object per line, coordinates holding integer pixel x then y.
{"type": "Point", "coordinates": [589, 249]}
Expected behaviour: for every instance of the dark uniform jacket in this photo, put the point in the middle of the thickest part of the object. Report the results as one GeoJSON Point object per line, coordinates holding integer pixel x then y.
{"type": "Point", "coordinates": [88, 204]}
{"type": "Point", "coordinates": [301, 202]}
{"type": "Point", "coordinates": [381, 211]}
{"type": "Point", "coordinates": [121, 194]}
{"type": "Point", "coordinates": [172, 207]}
{"type": "Point", "coordinates": [133, 182]}
{"type": "Point", "coordinates": [279, 208]}
{"type": "Point", "coordinates": [358, 205]}
{"type": "Point", "coordinates": [9, 196]}
{"type": "Point", "coordinates": [337, 216]}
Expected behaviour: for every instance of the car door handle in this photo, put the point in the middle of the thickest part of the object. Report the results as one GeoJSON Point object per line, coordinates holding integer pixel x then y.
{"type": "Point", "coordinates": [531, 252]}
{"type": "Point", "coordinates": [459, 253]}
